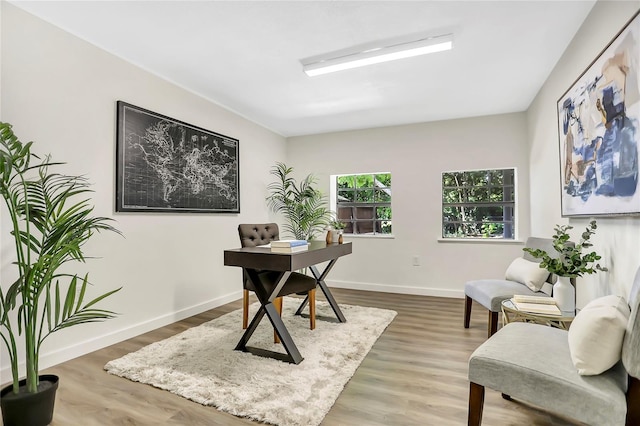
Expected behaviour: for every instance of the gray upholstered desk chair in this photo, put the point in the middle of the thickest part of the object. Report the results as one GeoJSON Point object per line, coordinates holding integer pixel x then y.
{"type": "Point", "coordinates": [491, 292]}
{"type": "Point", "coordinates": [533, 363]}
{"type": "Point", "coordinates": [252, 235]}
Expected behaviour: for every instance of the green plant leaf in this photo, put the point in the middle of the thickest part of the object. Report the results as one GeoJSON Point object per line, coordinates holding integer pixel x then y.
{"type": "Point", "coordinates": [51, 220]}
{"type": "Point", "coordinates": [570, 261]}
{"type": "Point", "coordinates": [302, 206]}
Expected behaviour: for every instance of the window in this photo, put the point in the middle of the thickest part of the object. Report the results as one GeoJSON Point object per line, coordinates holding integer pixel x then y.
{"type": "Point", "coordinates": [363, 203]}
{"type": "Point", "coordinates": [478, 204]}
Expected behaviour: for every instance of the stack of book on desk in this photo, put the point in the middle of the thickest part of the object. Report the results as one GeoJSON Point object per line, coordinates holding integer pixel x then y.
{"type": "Point", "coordinates": [536, 304]}
{"type": "Point", "coordinates": [289, 246]}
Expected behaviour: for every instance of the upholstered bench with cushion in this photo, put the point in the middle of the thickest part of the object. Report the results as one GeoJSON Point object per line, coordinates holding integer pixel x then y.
{"type": "Point", "coordinates": [589, 373]}
{"type": "Point", "coordinates": [524, 276]}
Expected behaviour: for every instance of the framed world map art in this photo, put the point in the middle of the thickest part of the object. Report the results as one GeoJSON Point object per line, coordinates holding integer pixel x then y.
{"type": "Point", "coordinates": [599, 132]}
{"type": "Point", "coordinates": [166, 165]}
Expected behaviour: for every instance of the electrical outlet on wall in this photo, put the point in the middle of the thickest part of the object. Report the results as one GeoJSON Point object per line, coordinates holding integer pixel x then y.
{"type": "Point", "coordinates": [416, 260]}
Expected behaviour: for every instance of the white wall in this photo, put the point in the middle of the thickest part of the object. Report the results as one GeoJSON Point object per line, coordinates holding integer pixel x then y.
{"type": "Point", "coordinates": [61, 92]}
{"type": "Point", "coordinates": [416, 155]}
{"type": "Point", "coordinates": [617, 238]}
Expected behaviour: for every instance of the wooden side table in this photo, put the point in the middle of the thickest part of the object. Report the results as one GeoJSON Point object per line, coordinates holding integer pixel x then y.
{"type": "Point", "coordinates": [510, 313]}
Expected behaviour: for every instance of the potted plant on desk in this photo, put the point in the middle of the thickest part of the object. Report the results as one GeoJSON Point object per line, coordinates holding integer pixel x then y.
{"type": "Point", "coordinates": [571, 262]}
{"type": "Point", "coordinates": [49, 226]}
{"type": "Point", "coordinates": [335, 232]}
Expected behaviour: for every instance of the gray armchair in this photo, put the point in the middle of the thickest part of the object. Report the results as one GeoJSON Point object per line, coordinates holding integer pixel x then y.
{"type": "Point", "coordinates": [252, 235]}
{"type": "Point", "coordinates": [532, 363]}
{"type": "Point", "coordinates": [491, 292]}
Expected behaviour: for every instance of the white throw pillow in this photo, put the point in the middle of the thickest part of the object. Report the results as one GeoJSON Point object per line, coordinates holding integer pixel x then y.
{"type": "Point", "coordinates": [528, 273]}
{"type": "Point", "coordinates": [596, 334]}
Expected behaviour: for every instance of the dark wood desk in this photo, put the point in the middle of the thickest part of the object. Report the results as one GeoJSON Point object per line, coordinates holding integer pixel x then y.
{"type": "Point", "coordinates": [254, 259]}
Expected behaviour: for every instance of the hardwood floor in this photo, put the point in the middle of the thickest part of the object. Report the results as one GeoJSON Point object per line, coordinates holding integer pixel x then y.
{"type": "Point", "coordinates": [415, 374]}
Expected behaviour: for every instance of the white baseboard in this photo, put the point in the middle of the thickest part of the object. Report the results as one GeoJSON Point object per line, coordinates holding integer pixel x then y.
{"type": "Point", "coordinates": [401, 289]}
{"type": "Point", "coordinates": [58, 356]}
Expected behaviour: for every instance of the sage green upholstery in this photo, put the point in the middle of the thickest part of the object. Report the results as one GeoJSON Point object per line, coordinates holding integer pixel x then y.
{"type": "Point", "coordinates": [491, 292]}
{"type": "Point", "coordinates": [532, 363]}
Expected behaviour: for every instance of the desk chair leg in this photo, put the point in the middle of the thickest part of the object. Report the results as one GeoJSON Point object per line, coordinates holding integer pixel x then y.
{"type": "Point", "coordinates": [312, 309]}
{"type": "Point", "coordinates": [493, 323]}
{"type": "Point", "coordinates": [277, 303]}
{"type": "Point", "coordinates": [476, 403]}
{"type": "Point", "coordinates": [245, 309]}
{"type": "Point", "coordinates": [467, 311]}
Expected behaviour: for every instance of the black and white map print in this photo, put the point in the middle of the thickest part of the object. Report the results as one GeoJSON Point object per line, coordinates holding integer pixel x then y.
{"type": "Point", "coordinates": [168, 165]}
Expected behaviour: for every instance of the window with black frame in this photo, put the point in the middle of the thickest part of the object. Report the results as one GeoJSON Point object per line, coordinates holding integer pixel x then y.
{"type": "Point", "coordinates": [363, 203]}
{"type": "Point", "coordinates": [479, 204]}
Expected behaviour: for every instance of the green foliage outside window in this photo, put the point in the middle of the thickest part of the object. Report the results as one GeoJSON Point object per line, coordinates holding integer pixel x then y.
{"type": "Point", "coordinates": [364, 203]}
{"type": "Point", "coordinates": [478, 204]}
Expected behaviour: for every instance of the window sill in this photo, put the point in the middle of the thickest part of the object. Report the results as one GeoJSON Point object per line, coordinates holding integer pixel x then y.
{"type": "Point", "coordinates": [379, 236]}
{"type": "Point", "coordinates": [479, 240]}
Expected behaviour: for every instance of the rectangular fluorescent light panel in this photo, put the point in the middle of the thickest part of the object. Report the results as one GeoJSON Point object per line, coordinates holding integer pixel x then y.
{"type": "Point", "coordinates": [377, 54]}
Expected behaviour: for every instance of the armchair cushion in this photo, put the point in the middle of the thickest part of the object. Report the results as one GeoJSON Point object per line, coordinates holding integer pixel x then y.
{"type": "Point", "coordinates": [527, 273]}
{"type": "Point", "coordinates": [531, 362]}
{"type": "Point", "coordinates": [491, 292]}
{"type": "Point", "coordinates": [596, 334]}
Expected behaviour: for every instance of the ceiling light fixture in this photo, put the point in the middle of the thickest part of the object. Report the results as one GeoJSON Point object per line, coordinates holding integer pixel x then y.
{"type": "Point", "coordinates": [376, 53]}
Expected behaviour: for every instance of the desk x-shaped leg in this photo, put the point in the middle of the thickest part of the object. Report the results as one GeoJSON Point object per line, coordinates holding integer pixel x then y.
{"type": "Point", "coordinates": [266, 301]}
{"type": "Point", "coordinates": [327, 293]}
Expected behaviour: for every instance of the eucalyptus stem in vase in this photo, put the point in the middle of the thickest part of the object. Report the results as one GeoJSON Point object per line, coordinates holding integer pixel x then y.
{"type": "Point", "coordinates": [571, 261]}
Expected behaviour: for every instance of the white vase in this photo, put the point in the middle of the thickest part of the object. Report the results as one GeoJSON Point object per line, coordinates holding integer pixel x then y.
{"type": "Point", "coordinates": [564, 293]}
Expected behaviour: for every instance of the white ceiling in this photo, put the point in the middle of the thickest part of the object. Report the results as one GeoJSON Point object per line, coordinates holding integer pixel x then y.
{"type": "Point", "coordinates": [246, 55]}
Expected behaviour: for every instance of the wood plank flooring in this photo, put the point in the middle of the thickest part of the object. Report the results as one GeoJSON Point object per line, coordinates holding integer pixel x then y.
{"type": "Point", "coordinates": [415, 374]}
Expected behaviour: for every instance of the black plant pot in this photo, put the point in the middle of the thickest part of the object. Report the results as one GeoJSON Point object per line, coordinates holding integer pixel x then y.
{"type": "Point", "coordinates": [29, 409]}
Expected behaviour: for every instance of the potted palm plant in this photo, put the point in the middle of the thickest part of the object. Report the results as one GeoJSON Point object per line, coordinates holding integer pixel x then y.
{"type": "Point", "coordinates": [50, 222]}
{"type": "Point", "coordinates": [302, 205]}
{"type": "Point", "coordinates": [571, 261]}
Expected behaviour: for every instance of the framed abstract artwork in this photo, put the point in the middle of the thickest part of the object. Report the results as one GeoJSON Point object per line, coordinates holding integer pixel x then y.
{"type": "Point", "coordinates": [599, 133]}
{"type": "Point", "coordinates": [166, 165]}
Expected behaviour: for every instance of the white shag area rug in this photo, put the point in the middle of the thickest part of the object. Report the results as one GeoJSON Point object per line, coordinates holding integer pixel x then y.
{"type": "Point", "coordinates": [201, 364]}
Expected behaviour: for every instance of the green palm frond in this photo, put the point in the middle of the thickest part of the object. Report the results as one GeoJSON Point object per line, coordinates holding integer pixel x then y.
{"type": "Point", "coordinates": [65, 310]}
{"type": "Point", "coordinates": [51, 219]}
{"type": "Point", "coordinates": [302, 206]}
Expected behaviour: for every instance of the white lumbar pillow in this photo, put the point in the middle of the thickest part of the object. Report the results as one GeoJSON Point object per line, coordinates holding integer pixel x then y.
{"type": "Point", "coordinates": [596, 334]}
{"type": "Point", "coordinates": [528, 273]}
